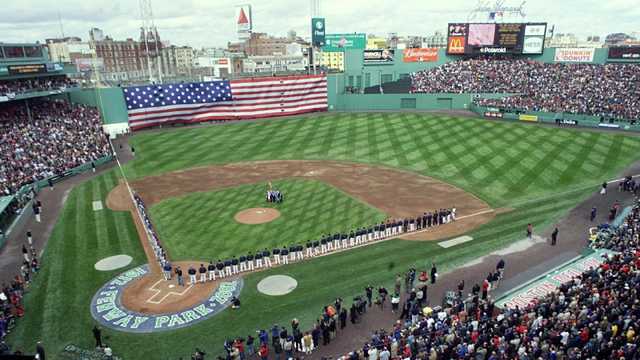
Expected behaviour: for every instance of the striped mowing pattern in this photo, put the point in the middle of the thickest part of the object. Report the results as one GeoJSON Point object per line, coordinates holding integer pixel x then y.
{"type": "Point", "coordinates": [201, 225]}
{"type": "Point", "coordinates": [500, 162]}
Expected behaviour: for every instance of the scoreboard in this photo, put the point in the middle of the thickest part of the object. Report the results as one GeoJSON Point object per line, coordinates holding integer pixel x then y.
{"type": "Point", "coordinates": [495, 38]}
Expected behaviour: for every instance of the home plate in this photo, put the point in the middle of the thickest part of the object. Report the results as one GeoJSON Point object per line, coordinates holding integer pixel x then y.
{"type": "Point", "coordinates": [171, 286]}
{"type": "Point", "coordinates": [275, 285]}
{"type": "Point", "coordinates": [455, 241]}
{"type": "Point", "coordinates": [97, 205]}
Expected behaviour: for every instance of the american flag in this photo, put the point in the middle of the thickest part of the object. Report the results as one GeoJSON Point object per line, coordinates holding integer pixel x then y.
{"type": "Point", "coordinates": [153, 105]}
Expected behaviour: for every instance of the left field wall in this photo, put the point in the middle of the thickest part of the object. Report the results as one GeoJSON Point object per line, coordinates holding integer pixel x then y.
{"type": "Point", "coordinates": [110, 102]}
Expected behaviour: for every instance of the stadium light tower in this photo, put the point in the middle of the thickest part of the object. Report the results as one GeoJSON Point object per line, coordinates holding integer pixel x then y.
{"type": "Point", "coordinates": [497, 11]}
{"type": "Point", "coordinates": [147, 29]}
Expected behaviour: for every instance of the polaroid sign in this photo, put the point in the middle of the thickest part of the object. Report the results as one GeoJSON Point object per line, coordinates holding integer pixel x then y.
{"type": "Point", "coordinates": [317, 31]}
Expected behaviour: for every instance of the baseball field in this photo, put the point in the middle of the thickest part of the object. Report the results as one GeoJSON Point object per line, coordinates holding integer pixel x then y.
{"type": "Point", "coordinates": [195, 179]}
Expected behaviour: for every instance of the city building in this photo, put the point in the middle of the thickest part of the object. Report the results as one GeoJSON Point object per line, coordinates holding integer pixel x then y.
{"type": "Point", "coordinates": [177, 61]}
{"type": "Point", "coordinates": [333, 60]}
{"type": "Point", "coordinates": [437, 40]}
{"type": "Point", "coordinates": [261, 44]}
{"type": "Point", "coordinates": [274, 63]}
{"type": "Point", "coordinates": [126, 60]}
{"type": "Point", "coordinates": [374, 42]}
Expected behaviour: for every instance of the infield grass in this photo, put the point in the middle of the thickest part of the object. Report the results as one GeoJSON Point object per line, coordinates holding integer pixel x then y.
{"type": "Point", "coordinates": [541, 172]}
{"type": "Point", "coordinates": [202, 226]}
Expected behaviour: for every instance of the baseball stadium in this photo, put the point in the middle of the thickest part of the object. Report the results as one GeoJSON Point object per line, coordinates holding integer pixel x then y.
{"type": "Point", "coordinates": [472, 201]}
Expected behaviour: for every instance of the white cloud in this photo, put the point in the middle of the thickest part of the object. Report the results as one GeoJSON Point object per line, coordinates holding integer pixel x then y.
{"type": "Point", "coordinates": [212, 23]}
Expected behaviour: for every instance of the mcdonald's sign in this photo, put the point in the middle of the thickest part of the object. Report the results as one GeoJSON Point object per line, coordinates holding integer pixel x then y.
{"type": "Point", "coordinates": [456, 45]}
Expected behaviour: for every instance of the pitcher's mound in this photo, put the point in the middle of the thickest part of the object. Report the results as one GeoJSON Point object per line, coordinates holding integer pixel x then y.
{"type": "Point", "coordinates": [257, 215]}
{"type": "Point", "coordinates": [275, 285]}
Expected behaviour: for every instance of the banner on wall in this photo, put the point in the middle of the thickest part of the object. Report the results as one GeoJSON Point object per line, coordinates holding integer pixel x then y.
{"type": "Point", "coordinates": [574, 55]}
{"type": "Point", "coordinates": [378, 56]}
{"type": "Point", "coordinates": [525, 117]}
{"type": "Point", "coordinates": [420, 55]}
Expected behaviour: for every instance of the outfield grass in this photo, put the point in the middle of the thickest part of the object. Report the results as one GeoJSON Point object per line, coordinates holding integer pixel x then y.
{"type": "Point", "coordinates": [500, 162]}
{"type": "Point", "coordinates": [201, 225]}
{"type": "Point", "coordinates": [541, 172]}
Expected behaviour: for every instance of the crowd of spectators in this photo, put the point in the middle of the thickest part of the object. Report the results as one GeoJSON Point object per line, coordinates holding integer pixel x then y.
{"type": "Point", "coordinates": [11, 295]}
{"type": "Point", "coordinates": [596, 315]}
{"type": "Point", "coordinates": [610, 90]}
{"type": "Point", "coordinates": [11, 88]}
{"type": "Point", "coordinates": [45, 138]}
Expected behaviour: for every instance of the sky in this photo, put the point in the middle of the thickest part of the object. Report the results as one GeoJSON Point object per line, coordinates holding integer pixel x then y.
{"type": "Point", "coordinates": [199, 23]}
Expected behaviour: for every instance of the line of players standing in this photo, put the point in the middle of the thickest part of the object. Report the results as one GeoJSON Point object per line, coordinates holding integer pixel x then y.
{"type": "Point", "coordinates": [328, 243]}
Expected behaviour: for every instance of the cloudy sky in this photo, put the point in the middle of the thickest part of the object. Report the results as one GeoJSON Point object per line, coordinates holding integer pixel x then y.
{"type": "Point", "coordinates": [212, 22]}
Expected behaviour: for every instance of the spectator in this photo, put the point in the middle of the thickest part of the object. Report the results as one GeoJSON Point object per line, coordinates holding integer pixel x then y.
{"type": "Point", "coordinates": [51, 137]}
{"type": "Point", "coordinates": [608, 91]}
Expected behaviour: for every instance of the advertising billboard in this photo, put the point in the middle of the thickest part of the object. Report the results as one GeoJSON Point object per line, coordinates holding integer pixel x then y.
{"type": "Point", "coordinates": [338, 42]}
{"type": "Point", "coordinates": [378, 56]}
{"type": "Point", "coordinates": [27, 69]}
{"type": "Point", "coordinates": [244, 24]}
{"type": "Point", "coordinates": [420, 55]}
{"type": "Point", "coordinates": [88, 64]}
{"type": "Point", "coordinates": [495, 38]}
{"type": "Point", "coordinates": [624, 52]}
{"type": "Point", "coordinates": [317, 31]}
{"type": "Point", "coordinates": [575, 55]}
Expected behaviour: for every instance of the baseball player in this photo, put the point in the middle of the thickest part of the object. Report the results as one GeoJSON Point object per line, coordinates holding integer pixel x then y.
{"type": "Point", "coordinates": [323, 246]}
{"type": "Point", "coordinates": [212, 271]}
{"type": "Point", "coordinates": [276, 255]}
{"type": "Point", "coordinates": [329, 243]}
{"type": "Point", "coordinates": [258, 260]}
{"type": "Point", "coordinates": [243, 263]}
{"type": "Point", "coordinates": [299, 255]}
{"type": "Point", "coordinates": [227, 266]}
{"type": "Point", "coordinates": [344, 239]}
{"type": "Point", "coordinates": [192, 275]}
{"type": "Point", "coordinates": [203, 273]}
{"type": "Point", "coordinates": [292, 252]}
{"type": "Point", "coordinates": [309, 247]}
{"type": "Point", "coordinates": [234, 265]}
{"type": "Point", "coordinates": [250, 262]}
{"type": "Point", "coordinates": [29, 238]}
{"type": "Point", "coordinates": [336, 241]}
{"type": "Point", "coordinates": [167, 270]}
{"type": "Point", "coordinates": [220, 268]}
{"type": "Point", "coordinates": [285, 258]}
{"type": "Point", "coordinates": [266, 255]}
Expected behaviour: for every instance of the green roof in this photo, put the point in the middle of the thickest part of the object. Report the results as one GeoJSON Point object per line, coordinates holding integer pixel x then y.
{"type": "Point", "coordinates": [4, 202]}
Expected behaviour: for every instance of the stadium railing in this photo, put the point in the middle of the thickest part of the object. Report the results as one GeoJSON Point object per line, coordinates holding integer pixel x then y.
{"type": "Point", "coordinates": [563, 119]}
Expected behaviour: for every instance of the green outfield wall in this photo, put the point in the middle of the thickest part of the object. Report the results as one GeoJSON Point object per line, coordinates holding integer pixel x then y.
{"type": "Point", "coordinates": [109, 101]}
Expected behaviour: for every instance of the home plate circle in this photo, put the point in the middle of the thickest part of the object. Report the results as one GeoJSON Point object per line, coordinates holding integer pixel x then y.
{"type": "Point", "coordinates": [276, 285]}
{"type": "Point", "coordinates": [113, 262]}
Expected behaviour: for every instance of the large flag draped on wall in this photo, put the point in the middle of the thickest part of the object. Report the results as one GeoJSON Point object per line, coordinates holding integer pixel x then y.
{"type": "Point", "coordinates": [254, 98]}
